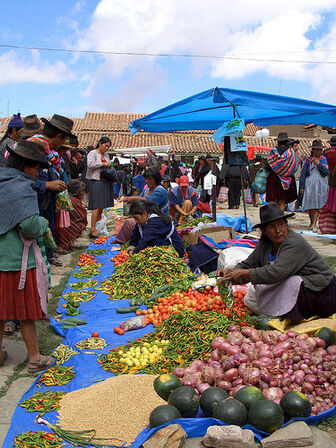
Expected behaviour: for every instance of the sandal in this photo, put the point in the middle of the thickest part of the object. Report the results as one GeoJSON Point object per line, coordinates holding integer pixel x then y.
{"type": "Point", "coordinates": [55, 261]}
{"type": "Point", "coordinates": [36, 367]}
{"type": "Point", "coordinates": [9, 328]}
{"type": "Point", "coordinates": [3, 358]}
{"type": "Point", "coordinates": [95, 234]}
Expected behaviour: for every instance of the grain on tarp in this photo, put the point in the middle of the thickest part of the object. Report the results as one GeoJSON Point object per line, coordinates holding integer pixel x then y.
{"type": "Point", "coordinates": [118, 407]}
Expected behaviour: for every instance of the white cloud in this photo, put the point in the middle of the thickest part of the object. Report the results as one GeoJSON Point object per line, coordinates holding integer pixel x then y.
{"type": "Point", "coordinates": [215, 27]}
{"type": "Point", "coordinates": [17, 70]}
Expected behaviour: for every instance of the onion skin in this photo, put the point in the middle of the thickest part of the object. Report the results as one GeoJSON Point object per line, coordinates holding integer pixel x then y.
{"type": "Point", "coordinates": [179, 372]}
{"type": "Point", "coordinates": [225, 385]}
{"type": "Point", "coordinates": [236, 389]}
{"type": "Point", "coordinates": [274, 394]}
{"type": "Point", "coordinates": [197, 365]}
{"type": "Point", "coordinates": [216, 341]}
{"type": "Point", "coordinates": [331, 349]}
{"type": "Point", "coordinates": [232, 328]}
{"type": "Point", "coordinates": [320, 342]}
{"type": "Point", "coordinates": [231, 374]}
{"type": "Point", "coordinates": [215, 355]}
{"type": "Point", "coordinates": [202, 387]}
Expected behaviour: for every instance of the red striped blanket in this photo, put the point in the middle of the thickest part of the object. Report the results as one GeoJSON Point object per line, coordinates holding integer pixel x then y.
{"type": "Point", "coordinates": [283, 165]}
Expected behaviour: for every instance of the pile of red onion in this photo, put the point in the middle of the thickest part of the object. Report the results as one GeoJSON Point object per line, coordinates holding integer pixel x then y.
{"type": "Point", "coordinates": [270, 360]}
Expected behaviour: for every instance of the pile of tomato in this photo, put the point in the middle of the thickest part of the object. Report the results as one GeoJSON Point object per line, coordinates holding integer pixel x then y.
{"type": "Point", "coordinates": [208, 300]}
{"type": "Point", "coordinates": [101, 240]}
{"type": "Point", "coordinates": [86, 259]}
{"type": "Point", "coordinates": [120, 258]}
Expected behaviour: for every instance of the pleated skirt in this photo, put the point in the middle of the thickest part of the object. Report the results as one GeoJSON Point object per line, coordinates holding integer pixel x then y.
{"type": "Point", "coordinates": [15, 304]}
{"type": "Point", "coordinates": [101, 194]}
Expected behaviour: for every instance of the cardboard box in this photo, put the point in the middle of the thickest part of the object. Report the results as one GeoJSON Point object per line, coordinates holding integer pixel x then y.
{"type": "Point", "coordinates": [219, 233]}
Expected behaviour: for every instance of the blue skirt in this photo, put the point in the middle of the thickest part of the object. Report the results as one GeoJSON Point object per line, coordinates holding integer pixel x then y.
{"type": "Point", "coordinates": [101, 194]}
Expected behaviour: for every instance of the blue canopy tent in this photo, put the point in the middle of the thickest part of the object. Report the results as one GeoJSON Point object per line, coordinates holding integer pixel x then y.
{"type": "Point", "coordinates": [210, 109]}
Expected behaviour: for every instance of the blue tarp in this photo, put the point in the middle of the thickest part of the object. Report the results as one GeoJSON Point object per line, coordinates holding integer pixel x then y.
{"type": "Point", "coordinates": [211, 108]}
{"type": "Point", "coordinates": [101, 316]}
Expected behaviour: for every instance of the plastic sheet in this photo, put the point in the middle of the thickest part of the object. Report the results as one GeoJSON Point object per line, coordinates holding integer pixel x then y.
{"type": "Point", "coordinates": [101, 316]}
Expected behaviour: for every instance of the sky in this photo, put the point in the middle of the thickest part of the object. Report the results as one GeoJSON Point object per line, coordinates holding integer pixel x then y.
{"type": "Point", "coordinates": [251, 37]}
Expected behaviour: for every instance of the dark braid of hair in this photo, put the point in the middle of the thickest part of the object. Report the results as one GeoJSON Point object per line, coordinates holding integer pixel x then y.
{"type": "Point", "coordinates": [139, 207]}
{"type": "Point", "coordinates": [9, 130]}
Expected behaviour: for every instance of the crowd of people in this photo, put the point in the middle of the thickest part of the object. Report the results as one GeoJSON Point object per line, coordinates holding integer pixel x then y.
{"type": "Point", "coordinates": [47, 184]}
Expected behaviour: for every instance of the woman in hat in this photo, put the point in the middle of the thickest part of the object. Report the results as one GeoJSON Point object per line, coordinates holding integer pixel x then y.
{"type": "Point", "coordinates": [314, 183]}
{"type": "Point", "coordinates": [11, 136]}
{"type": "Point", "coordinates": [291, 279]}
{"type": "Point", "coordinates": [281, 163]}
{"type": "Point", "coordinates": [23, 271]}
{"type": "Point", "coordinates": [327, 219]}
{"type": "Point", "coordinates": [101, 191]}
{"type": "Point", "coordinates": [153, 228]}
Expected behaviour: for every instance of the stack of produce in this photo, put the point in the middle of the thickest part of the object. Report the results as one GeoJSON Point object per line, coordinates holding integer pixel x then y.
{"type": "Point", "coordinates": [57, 376]}
{"type": "Point", "coordinates": [193, 222]}
{"type": "Point", "coordinates": [209, 300]}
{"type": "Point", "coordinates": [117, 409]}
{"type": "Point", "coordinates": [83, 285]}
{"type": "Point", "coordinates": [101, 240]}
{"type": "Point", "coordinates": [88, 271]}
{"type": "Point", "coordinates": [144, 272]}
{"type": "Point", "coordinates": [189, 333]}
{"type": "Point", "coordinates": [85, 259]}
{"type": "Point", "coordinates": [120, 258]}
{"type": "Point", "coordinates": [38, 440]}
{"type": "Point", "coordinates": [274, 362]}
{"type": "Point", "coordinates": [249, 405]}
{"type": "Point", "coordinates": [96, 252]}
{"type": "Point", "coordinates": [43, 402]}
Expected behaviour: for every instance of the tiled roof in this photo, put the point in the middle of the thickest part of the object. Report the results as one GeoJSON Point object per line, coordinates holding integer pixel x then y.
{"type": "Point", "coordinates": [115, 125]}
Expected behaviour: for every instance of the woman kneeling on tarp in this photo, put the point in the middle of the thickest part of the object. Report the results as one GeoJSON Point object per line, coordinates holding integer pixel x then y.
{"type": "Point", "coordinates": [153, 228]}
{"type": "Point", "coordinates": [291, 279]}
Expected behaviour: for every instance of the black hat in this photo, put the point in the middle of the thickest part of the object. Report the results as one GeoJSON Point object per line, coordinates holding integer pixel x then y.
{"type": "Point", "coordinates": [64, 124]}
{"type": "Point", "coordinates": [269, 213]}
{"type": "Point", "coordinates": [332, 141]}
{"type": "Point", "coordinates": [282, 137]}
{"type": "Point", "coordinates": [165, 178]}
{"type": "Point", "coordinates": [317, 144]}
{"type": "Point", "coordinates": [31, 151]}
{"type": "Point", "coordinates": [291, 141]}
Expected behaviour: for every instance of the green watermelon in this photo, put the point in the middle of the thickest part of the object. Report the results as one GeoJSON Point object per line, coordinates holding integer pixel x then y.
{"type": "Point", "coordinates": [266, 415]}
{"type": "Point", "coordinates": [249, 395]}
{"type": "Point", "coordinates": [185, 399]}
{"type": "Point", "coordinates": [165, 384]}
{"type": "Point", "coordinates": [163, 414]}
{"type": "Point", "coordinates": [210, 397]}
{"type": "Point", "coordinates": [231, 411]}
{"type": "Point", "coordinates": [295, 404]}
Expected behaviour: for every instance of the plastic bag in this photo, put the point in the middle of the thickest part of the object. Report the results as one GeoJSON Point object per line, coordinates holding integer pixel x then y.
{"type": "Point", "coordinates": [223, 194]}
{"type": "Point", "coordinates": [250, 300]}
{"type": "Point", "coordinates": [101, 225]}
{"type": "Point", "coordinates": [63, 201]}
{"type": "Point", "coordinates": [48, 239]}
{"type": "Point", "coordinates": [260, 181]}
{"type": "Point", "coordinates": [248, 196]}
{"type": "Point", "coordinates": [135, 323]}
{"type": "Point", "coordinates": [231, 256]}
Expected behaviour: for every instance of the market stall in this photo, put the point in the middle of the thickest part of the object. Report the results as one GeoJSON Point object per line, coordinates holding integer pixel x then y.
{"type": "Point", "coordinates": [142, 331]}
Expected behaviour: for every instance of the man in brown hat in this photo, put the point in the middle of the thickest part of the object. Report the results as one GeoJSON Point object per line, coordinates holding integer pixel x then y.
{"type": "Point", "coordinates": [31, 126]}
{"type": "Point", "coordinates": [49, 181]}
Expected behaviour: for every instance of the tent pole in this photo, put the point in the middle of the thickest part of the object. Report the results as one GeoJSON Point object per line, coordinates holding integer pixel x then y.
{"type": "Point", "coordinates": [213, 193]}
{"type": "Point", "coordinates": [243, 193]}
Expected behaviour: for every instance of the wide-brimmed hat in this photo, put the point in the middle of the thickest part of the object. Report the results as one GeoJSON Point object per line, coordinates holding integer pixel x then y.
{"type": "Point", "coordinates": [64, 124]}
{"type": "Point", "coordinates": [165, 178]}
{"type": "Point", "coordinates": [31, 126]}
{"type": "Point", "coordinates": [317, 144]}
{"type": "Point", "coordinates": [31, 151]}
{"type": "Point", "coordinates": [291, 141]}
{"type": "Point", "coordinates": [332, 141]}
{"type": "Point", "coordinates": [75, 186]}
{"type": "Point", "coordinates": [269, 213]}
{"type": "Point", "coordinates": [282, 137]}
{"type": "Point", "coordinates": [71, 142]}
{"type": "Point", "coordinates": [183, 181]}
